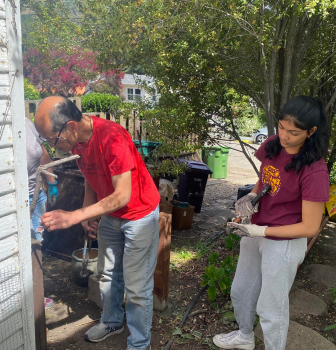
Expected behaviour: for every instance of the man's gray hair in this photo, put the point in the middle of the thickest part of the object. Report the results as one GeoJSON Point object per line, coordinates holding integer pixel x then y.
{"type": "Point", "coordinates": [62, 113]}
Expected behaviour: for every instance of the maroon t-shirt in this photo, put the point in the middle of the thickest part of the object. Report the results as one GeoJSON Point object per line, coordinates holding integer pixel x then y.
{"type": "Point", "coordinates": [283, 204]}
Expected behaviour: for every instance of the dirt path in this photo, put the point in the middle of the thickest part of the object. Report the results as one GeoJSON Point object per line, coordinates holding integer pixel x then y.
{"type": "Point", "coordinates": [73, 313]}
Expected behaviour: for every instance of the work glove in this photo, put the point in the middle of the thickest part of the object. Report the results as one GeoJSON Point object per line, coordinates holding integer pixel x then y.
{"type": "Point", "coordinates": [244, 208]}
{"type": "Point", "coordinates": [248, 230]}
{"type": "Point", "coordinates": [52, 193]}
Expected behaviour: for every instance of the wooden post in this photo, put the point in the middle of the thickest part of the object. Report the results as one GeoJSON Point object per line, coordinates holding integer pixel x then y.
{"type": "Point", "coordinates": [27, 109]}
{"type": "Point", "coordinates": [38, 291]}
{"type": "Point", "coordinates": [122, 121]}
{"type": "Point", "coordinates": [131, 126]}
{"type": "Point", "coordinates": [137, 127]}
{"type": "Point", "coordinates": [143, 131]}
{"type": "Point", "coordinates": [161, 274]}
{"type": "Point", "coordinates": [77, 101]}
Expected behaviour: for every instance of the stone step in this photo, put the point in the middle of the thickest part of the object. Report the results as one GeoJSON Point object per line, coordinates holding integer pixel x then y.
{"type": "Point", "coordinates": [322, 274]}
{"type": "Point", "coordinates": [304, 303]}
{"type": "Point", "coordinates": [302, 338]}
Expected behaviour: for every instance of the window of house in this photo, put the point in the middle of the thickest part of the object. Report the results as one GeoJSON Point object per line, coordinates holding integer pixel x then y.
{"type": "Point", "coordinates": [133, 94]}
{"type": "Point", "coordinates": [137, 94]}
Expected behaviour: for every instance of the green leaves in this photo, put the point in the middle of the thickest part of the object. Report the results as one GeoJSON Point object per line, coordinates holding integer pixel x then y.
{"type": "Point", "coordinates": [330, 327]}
{"type": "Point", "coordinates": [210, 271]}
{"type": "Point", "coordinates": [177, 331]}
{"type": "Point", "coordinates": [213, 62]}
{"type": "Point", "coordinates": [213, 258]}
{"type": "Point", "coordinates": [229, 316]}
{"type": "Point", "coordinates": [333, 294]}
{"type": "Point", "coordinates": [47, 23]}
{"type": "Point", "coordinates": [212, 292]}
{"type": "Point", "coordinates": [30, 91]}
{"type": "Point", "coordinates": [219, 274]}
{"type": "Point", "coordinates": [98, 102]}
{"type": "Point", "coordinates": [222, 286]}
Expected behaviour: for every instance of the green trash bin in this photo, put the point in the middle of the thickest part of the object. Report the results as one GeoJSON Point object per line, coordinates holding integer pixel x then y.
{"type": "Point", "coordinates": [148, 148]}
{"type": "Point", "coordinates": [216, 159]}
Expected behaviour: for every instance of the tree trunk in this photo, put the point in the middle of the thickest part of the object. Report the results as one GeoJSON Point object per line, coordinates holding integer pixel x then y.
{"type": "Point", "coordinates": [289, 50]}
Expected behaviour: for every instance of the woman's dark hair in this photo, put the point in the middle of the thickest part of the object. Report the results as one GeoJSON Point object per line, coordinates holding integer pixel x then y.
{"type": "Point", "coordinates": [305, 112]}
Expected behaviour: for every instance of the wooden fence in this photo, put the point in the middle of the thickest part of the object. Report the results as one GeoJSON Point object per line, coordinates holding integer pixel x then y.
{"type": "Point", "coordinates": [132, 124]}
{"type": "Point", "coordinates": [32, 105]}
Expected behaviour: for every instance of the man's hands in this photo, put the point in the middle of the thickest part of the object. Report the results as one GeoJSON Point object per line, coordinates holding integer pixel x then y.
{"type": "Point", "coordinates": [91, 227]}
{"type": "Point", "coordinates": [244, 208]}
{"type": "Point", "coordinates": [58, 219]}
{"type": "Point", "coordinates": [247, 230]}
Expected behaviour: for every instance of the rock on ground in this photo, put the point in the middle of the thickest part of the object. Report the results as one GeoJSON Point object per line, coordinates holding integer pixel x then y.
{"type": "Point", "coordinates": [323, 274]}
{"type": "Point", "coordinates": [302, 338]}
{"type": "Point", "coordinates": [302, 302]}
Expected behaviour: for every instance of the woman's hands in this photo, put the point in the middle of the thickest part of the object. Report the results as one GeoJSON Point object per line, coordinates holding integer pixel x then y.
{"type": "Point", "coordinates": [249, 230]}
{"type": "Point", "coordinates": [244, 208]}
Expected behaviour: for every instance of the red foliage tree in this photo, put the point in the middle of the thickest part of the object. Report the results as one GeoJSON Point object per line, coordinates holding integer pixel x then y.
{"type": "Point", "coordinates": [60, 73]}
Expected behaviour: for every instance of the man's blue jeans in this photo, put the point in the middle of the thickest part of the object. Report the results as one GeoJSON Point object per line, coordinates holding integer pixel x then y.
{"type": "Point", "coordinates": [35, 222]}
{"type": "Point", "coordinates": [127, 258]}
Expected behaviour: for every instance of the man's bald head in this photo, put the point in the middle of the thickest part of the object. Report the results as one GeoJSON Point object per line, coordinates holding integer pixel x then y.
{"type": "Point", "coordinates": [42, 117]}
{"type": "Point", "coordinates": [55, 111]}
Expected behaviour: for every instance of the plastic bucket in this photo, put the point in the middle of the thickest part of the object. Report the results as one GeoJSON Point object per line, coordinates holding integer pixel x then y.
{"type": "Point", "coordinates": [77, 265]}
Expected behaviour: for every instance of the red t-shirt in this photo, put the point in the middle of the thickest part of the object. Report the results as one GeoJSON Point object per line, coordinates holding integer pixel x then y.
{"type": "Point", "coordinates": [283, 204]}
{"type": "Point", "coordinates": [111, 152]}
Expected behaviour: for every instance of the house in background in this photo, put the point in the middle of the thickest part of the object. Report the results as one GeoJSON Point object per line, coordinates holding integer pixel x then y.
{"type": "Point", "coordinates": [133, 88]}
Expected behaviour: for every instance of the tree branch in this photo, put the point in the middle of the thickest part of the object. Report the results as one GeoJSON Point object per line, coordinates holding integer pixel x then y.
{"type": "Point", "coordinates": [314, 72]}
{"type": "Point", "coordinates": [331, 101]}
{"type": "Point", "coordinates": [288, 61]}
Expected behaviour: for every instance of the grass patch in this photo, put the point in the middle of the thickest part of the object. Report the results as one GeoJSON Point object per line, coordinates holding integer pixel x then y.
{"type": "Point", "coordinates": [182, 254]}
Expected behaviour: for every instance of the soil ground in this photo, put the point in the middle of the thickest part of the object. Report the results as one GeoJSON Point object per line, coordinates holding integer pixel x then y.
{"type": "Point", "coordinates": [73, 314]}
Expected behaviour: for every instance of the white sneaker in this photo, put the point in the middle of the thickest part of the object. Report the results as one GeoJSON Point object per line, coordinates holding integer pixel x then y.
{"type": "Point", "coordinates": [233, 340]}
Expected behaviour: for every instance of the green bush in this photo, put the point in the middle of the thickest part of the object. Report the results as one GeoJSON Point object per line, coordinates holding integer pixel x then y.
{"type": "Point", "coordinates": [247, 124]}
{"type": "Point", "coordinates": [219, 274]}
{"type": "Point", "coordinates": [98, 102]}
{"type": "Point", "coordinates": [332, 176]}
{"type": "Point", "coordinates": [30, 91]}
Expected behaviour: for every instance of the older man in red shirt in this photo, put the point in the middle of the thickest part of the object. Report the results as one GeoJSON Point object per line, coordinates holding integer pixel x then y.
{"type": "Point", "coordinates": [118, 188]}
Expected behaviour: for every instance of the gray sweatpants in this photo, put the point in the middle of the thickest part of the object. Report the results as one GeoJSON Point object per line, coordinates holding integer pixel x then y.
{"type": "Point", "coordinates": [265, 274]}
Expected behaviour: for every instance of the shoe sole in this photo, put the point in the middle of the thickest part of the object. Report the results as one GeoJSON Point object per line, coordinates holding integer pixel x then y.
{"type": "Point", "coordinates": [242, 346]}
{"type": "Point", "coordinates": [106, 336]}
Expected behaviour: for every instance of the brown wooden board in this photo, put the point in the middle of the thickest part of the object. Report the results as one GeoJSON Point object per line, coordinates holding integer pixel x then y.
{"type": "Point", "coordinates": [312, 240]}
{"type": "Point", "coordinates": [161, 274]}
{"type": "Point", "coordinates": [38, 291]}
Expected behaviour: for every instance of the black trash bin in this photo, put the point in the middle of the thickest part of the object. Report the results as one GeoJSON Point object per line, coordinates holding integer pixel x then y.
{"type": "Point", "coordinates": [243, 191]}
{"type": "Point", "coordinates": [192, 183]}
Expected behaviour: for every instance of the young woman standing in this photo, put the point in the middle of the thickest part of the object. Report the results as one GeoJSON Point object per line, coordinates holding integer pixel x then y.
{"type": "Point", "coordinates": [275, 242]}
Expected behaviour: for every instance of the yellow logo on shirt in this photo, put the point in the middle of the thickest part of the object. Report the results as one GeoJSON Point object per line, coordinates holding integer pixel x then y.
{"type": "Point", "coordinates": [271, 176]}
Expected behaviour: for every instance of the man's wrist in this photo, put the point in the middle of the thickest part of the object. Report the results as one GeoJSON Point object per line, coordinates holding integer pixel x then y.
{"type": "Point", "coordinates": [78, 216]}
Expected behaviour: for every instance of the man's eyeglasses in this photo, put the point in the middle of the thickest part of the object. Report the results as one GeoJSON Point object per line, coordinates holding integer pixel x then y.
{"type": "Point", "coordinates": [53, 143]}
